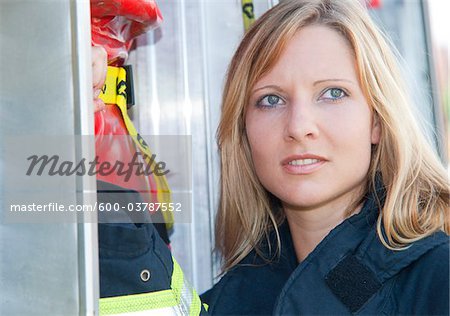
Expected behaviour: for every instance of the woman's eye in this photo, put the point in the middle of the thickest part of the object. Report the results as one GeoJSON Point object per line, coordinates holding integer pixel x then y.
{"type": "Point", "coordinates": [269, 101]}
{"type": "Point", "coordinates": [334, 94]}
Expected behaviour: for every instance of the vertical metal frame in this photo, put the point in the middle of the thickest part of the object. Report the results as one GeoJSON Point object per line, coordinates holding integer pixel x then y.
{"type": "Point", "coordinates": [88, 254]}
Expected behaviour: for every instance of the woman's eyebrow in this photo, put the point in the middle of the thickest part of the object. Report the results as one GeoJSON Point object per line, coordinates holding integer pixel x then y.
{"type": "Point", "coordinates": [334, 80]}
{"type": "Point", "coordinates": [275, 87]}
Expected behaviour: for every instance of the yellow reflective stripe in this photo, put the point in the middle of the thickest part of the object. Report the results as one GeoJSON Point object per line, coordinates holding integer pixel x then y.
{"type": "Point", "coordinates": [186, 296]}
{"type": "Point", "coordinates": [177, 280]}
{"type": "Point", "coordinates": [248, 13]}
{"type": "Point", "coordinates": [205, 306]}
{"type": "Point", "coordinates": [136, 302]}
{"type": "Point", "coordinates": [196, 304]}
{"type": "Point", "coordinates": [114, 92]}
{"type": "Point", "coordinates": [181, 297]}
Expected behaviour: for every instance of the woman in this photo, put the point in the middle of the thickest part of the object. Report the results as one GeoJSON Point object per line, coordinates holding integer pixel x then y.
{"type": "Point", "coordinates": [332, 202]}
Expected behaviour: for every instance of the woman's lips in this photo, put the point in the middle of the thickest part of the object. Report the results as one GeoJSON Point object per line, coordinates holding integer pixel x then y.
{"type": "Point", "coordinates": [303, 164]}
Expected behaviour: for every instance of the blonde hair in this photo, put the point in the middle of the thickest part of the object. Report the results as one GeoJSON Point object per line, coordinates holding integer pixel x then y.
{"type": "Point", "coordinates": [417, 190]}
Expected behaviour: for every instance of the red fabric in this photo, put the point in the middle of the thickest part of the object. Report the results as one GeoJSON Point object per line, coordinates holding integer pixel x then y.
{"type": "Point", "coordinates": [112, 144]}
{"type": "Point", "coordinates": [115, 23]}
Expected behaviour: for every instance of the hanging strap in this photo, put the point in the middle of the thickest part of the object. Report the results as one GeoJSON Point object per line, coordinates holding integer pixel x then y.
{"type": "Point", "coordinates": [115, 91]}
{"type": "Point", "coordinates": [248, 13]}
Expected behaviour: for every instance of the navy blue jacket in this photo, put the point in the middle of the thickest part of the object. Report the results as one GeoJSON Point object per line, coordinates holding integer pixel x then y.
{"type": "Point", "coordinates": [132, 249]}
{"type": "Point", "coordinates": [128, 248]}
{"type": "Point", "coordinates": [349, 272]}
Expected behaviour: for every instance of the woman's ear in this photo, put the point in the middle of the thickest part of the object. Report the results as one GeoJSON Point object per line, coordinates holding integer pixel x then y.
{"type": "Point", "coordinates": [376, 130]}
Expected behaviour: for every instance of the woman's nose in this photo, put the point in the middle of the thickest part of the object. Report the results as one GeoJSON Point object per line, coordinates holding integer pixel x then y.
{"type": "Point", "coordinates": [302, 121]}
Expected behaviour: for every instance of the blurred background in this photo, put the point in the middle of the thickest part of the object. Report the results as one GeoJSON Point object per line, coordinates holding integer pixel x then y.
{"type": "Point", "coordinates": [439, 26]}
{"type": "Point", "coordinates": [178, 74]}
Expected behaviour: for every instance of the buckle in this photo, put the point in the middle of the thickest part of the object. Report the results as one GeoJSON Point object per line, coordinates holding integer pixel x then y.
{"type": "Point", "coordinates": [119, 86]}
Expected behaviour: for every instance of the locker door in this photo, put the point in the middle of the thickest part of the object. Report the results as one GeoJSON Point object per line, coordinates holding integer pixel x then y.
{"type": "Point", "coordinates": [45, 268]}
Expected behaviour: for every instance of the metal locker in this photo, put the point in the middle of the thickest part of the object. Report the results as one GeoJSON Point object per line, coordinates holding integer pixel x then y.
{"type": "Point", "coordinates": [45, 268]}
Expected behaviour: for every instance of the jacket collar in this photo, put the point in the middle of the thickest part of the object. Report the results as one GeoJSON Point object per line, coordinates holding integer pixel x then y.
{"type": "Point", "coordinates": [351, 259]}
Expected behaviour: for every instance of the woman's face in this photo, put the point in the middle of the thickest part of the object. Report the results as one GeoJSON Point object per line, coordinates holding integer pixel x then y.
{"type": "Point", "coordinates": [309, 126]}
